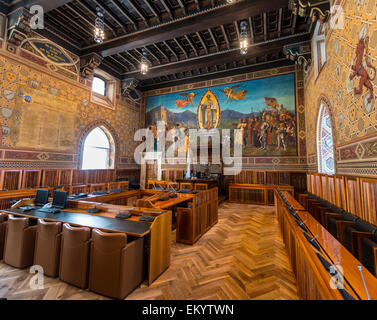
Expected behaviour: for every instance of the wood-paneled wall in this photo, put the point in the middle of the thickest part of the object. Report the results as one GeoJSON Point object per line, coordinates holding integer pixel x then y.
{"type": "Point", "coordinates": [356, 195]}
{"type": "Point", "coordinates": [17, 179]}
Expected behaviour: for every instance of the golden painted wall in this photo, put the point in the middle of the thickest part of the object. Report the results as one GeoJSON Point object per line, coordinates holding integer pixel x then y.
{"type": "Point", "coordinates": [354, 117]}
{"type": "Point", "coordinates": [42, 116]}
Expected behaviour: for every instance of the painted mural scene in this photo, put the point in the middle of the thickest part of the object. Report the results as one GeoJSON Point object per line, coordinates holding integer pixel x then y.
{"type": "Point", "coordinates": [264, 109]}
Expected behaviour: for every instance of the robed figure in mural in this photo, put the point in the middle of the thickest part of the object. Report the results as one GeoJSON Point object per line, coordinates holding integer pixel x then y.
{"type": "Point", "coordinates": [209, 111]}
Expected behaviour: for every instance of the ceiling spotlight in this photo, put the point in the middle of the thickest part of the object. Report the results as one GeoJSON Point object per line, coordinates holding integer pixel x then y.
{"type": "Point", "coordinates": [229, 1]}
{"type": "Point", "coordinates": [99, 27]}
{"type": "Point", "coordinates": [244, 39]}
{"type": "Point", "coordinates": [144, 63]}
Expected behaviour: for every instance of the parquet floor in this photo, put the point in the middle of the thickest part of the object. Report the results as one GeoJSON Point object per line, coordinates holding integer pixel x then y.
{"type": "Point", "coordinates": [242, 257]}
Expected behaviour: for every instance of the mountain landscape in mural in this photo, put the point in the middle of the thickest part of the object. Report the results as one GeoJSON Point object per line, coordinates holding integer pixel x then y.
{"type": "Point", "coordinates": [264, 109]}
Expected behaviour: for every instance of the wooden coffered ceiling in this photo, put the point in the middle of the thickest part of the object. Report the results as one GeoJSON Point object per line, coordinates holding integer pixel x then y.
{"type": "Point", "coordinates": [185, 40]}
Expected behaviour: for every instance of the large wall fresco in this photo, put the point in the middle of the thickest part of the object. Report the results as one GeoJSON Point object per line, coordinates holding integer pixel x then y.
{"type": "Point", "coordinates": [43, 114]}
{"type": "Point", "coordinates": [264, 109]}
{"type": "Point", "coordinates": [348, 84]}
{"type": "Point", "coordinates": [272, 97]}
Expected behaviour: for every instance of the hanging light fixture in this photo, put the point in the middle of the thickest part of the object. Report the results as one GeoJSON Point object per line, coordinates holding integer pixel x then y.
{"type": "Point", "coordinates": [99, 27]}
{"type": "Point", "coordinates": [144, 63]}
{"type": "Point", "coordinates": [244, 39]}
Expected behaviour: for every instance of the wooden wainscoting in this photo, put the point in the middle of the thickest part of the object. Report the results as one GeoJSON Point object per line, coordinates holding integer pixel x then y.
{"type": "Point", "coordinates": [356, 195]}
{"type": "Point", "coordinates": [18, 179]}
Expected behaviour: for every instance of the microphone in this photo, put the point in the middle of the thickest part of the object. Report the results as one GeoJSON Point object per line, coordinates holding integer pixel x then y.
{"type": "Point", "coordinates": [362, 277]}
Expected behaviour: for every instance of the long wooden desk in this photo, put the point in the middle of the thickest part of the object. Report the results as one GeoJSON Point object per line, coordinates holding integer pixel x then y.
{"type": "Point", "coordinates": [302, 253]}
{"type": "Point", "coordinates": [157, 233]}
{"type": "Point", "coordinates": [131, 227]}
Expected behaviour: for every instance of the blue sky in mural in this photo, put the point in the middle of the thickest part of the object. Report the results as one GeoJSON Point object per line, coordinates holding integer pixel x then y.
{"type": "Point", "coordinates": [280, 87]}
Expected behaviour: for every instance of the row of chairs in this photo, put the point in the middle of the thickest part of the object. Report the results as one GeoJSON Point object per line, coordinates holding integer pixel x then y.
{"type": "Point", "coordinates": [86, 258]}
{"type": "Point", "coordinates": [357, 235]}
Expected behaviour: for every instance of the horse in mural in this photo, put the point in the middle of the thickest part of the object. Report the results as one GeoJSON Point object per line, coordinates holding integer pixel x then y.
{"type": "Point", "coordinates": [360, 70]}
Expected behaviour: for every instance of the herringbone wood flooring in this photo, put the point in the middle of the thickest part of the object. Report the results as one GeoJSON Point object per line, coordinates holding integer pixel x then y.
{"type": "Point", "coordinates": [242, 257]}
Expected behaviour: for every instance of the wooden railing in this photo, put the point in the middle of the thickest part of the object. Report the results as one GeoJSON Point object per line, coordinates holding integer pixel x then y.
{"type": "Point", "coordinates": [17, 179]}
{"type": "Point", "coordinates": [311, 248]}
{"type": "Point", "coordinates": [356, 195]}
{"type": "Point", "coordinates": [255, 193]}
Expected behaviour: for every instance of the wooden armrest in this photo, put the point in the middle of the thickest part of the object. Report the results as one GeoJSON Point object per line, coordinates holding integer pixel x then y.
{"type": "Point", "coordinates": [341, 226]}
{"type": "Point", "coordinates": [357, 237]}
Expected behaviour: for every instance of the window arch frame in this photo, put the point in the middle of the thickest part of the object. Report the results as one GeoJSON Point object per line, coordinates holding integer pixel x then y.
{"type": "Point", "coordinates": [324, 106]}
{"type": "Point", "coordinates": [113, 142]}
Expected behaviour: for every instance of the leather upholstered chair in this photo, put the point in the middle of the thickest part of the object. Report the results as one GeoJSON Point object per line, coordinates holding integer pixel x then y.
{"type": "Point", "coordinates": [3, 225]}
{"type": "Point", "coordinates": [19, 242]}
{"type": "Point", "coordinates": [74, 255]}
{"type": "Point", "coordinates": [116, 267]}
{"type": "Point", "coordinates": [47, 247]}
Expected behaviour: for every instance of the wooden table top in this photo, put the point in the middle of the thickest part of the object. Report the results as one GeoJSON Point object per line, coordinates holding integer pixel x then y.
{"type": "Point", "coordinates": [105, 221]}
{"type": "Point", "coordinates": [292, 201]}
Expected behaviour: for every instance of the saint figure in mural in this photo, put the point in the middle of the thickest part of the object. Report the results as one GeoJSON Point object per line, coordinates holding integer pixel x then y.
{"type": "Point", "coordinates": [208, 111]}
{"type": "Point", "coordinates": [366, 71]}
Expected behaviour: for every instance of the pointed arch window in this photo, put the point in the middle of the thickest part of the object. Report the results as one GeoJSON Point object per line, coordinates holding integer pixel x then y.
{"type": "Point", "coordinates": [97, 150]}
{"type": "Point", "coordinates": [325, 144]}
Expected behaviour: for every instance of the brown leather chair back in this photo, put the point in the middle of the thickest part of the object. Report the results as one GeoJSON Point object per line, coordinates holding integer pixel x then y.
{"type": "Point", "coordinates": [116, 268]}
{"type": "Point", "coordinates": [74, 256]}
{"type": "Point", "coordinates": [19, 242]}
{"type": "Point", "coordinates": [47, 246]}
{"type": "Point", "coordinates": [3, 225]}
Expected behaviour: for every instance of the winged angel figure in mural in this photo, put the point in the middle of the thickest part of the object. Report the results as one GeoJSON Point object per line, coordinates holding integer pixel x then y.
{"type": "Point", "coordinates": [189, 99]}
{"type": "Point", "coordinates": [233, 95]}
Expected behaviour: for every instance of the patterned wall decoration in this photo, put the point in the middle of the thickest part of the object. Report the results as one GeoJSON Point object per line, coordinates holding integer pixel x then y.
{"type": "Point", "coordinates": [44, 112]}
{"type": "Point", "coordinates": [348, 81]}
{"type": "Point", "coordinates": [272, 160]}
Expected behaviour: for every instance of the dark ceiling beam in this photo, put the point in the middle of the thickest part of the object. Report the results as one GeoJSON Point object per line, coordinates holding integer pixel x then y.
{"type": "Point", "coordinates": [213, 39]}
{"type": "Point", "coordinates": [226, 56]}
{"type": "Point", "coordinates": [139, 11]}
{"type": "Point", "coordinates": [251, 30]}
{"type": "Point", "coordinates": [279, 21]}
{"type": "Point", "coordinates": [152, 9]}
{"type": "Point", "coordinates": [48, 5]}
{"type": "Point", "coordinates": [225, 36]}
{"type": "Point", "coordinates": [200, 21]}
{"type": "Point", "coordinates": [72, 21]}
{"type": "Point", "coordinates": [181, 47]}
{"type": "Point", "coordinates": [107, 11]}
{"type": "Point", "coordinates": [161, 51]}
{"type": "Point", "coordinates": [165, 5]}
{"type": "Point", "coordinates": [265, 26]}
{"type": "Point", "coordinates": [293, 30]}
{"type": "Point", "coordinates": [211, 75]}
{"type": "Point", "coordinates": [124, 59]}
{"type": "Point", "coordinates": [187, 37]}
{"type": "Point", "coordinates": [183, 7]}
{"type": "Point", "coordinates": [63, 29]}
{"type": "Point", "coordinates": [119, 62]}
{"type": "Point", "coordinates": [153, 55]}
{"type": "Point", "coordinates": [171, 49]}
{"type": "Point", "coordinates": [132, 63]}
{"type": "Point", "coordinates": [202, 42]}
{"type": "Point", "coordinates": [123, 11]}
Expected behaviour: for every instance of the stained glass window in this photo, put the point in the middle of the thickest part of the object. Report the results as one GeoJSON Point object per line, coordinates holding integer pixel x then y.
{"type": "Point", "coordinates": [325, 148]}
